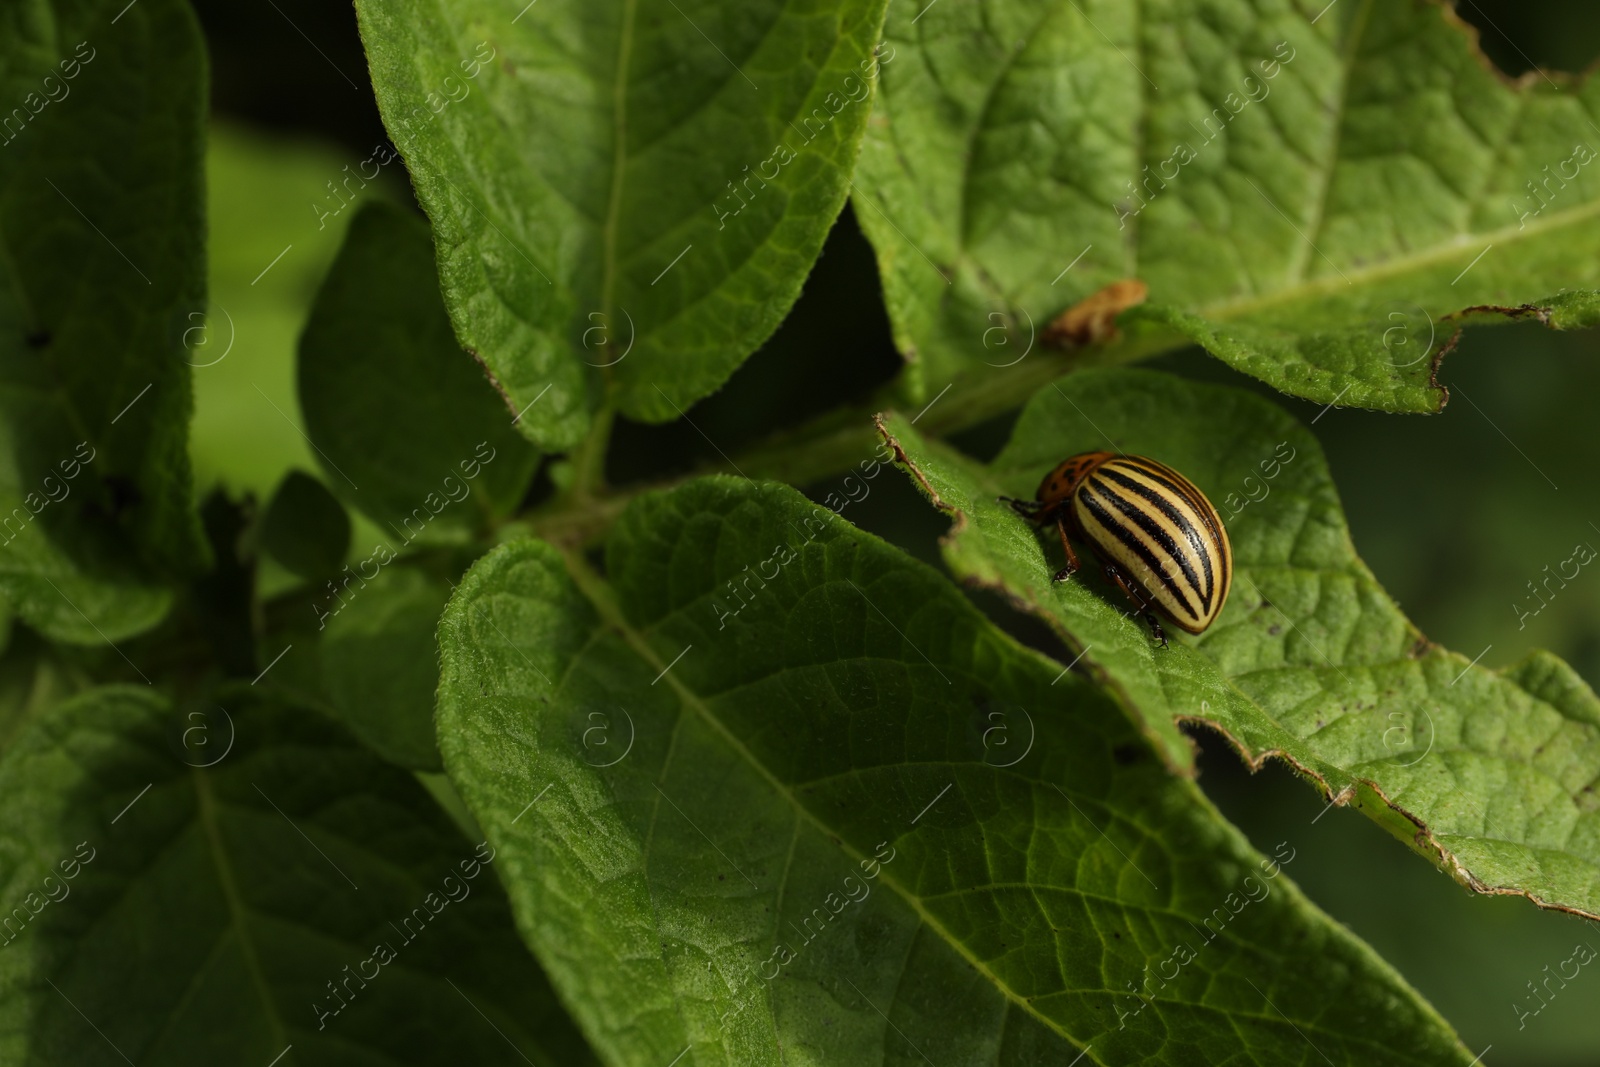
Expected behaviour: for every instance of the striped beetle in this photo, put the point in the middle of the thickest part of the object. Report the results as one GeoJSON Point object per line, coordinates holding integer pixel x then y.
{"type": "Point", "coordinates": [1159, 539]}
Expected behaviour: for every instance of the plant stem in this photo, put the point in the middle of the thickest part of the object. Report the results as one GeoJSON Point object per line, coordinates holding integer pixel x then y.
{"type": "Point", "coordinates": [830, 443]}
{"type": "Point", "coordinates": [589, 458]}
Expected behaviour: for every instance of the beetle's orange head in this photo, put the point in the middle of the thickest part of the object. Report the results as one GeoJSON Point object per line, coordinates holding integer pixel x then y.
{"type": "Point", "coordinates": [1061, 483]}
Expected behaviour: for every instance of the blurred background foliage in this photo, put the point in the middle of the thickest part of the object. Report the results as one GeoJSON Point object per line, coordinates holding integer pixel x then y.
{"type": "Point", "coordinates": [1455, 513]}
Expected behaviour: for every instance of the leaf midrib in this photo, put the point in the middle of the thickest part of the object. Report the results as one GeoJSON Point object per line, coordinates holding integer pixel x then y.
{"type": "Point", "coordinates": [599, 596]}
{"type": "Point", "coordinates": [964, 208]}
{"type": "Point", "coordinates": [1360, 277]}
{"type": "Point", "coordinates": [206, 814]}
{"type": "Point", "coordinates": [1347, 64]}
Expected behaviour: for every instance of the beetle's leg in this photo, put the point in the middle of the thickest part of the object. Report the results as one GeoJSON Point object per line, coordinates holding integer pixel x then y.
{"type": "Point", "coordinates": [1066, 546]}
{"type": "Point", "coordinates": [1141, 602]}
{"type": "Point", "coordinates": [1028, 509]}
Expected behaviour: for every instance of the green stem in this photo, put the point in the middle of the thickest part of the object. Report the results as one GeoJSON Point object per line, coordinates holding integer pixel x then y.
{"type": "Point", "coordinates": [835, 441]}
{"type": "Point", "coordinates": [589, 458]}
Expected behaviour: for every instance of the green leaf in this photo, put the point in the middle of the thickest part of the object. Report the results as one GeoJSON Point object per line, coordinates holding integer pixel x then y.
{"type": "Point", "coordinates": [33, 678]}
{"type": "Point", "coordinates": [1486, 773]}
{"type": "Point", "coordinates": [101, 263]}
{"type": "Point", "coordinates": [626, 197]}
{"type": "Point", "coordinates": [165, 912]}
{"type": "Point", "coordinates": [58, 595]}
{"type": "Point", "coordinates": [305, 527]}
{"type": "Point", "coordinates": [407, 428]}
{"type": "Point", "coordinates": [1311, 192]}
{"type": "Point", "coordinates": [379, 664]}
{"type": "Point", "coordinates": [774, 730]}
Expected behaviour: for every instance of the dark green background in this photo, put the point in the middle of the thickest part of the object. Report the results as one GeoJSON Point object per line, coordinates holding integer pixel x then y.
{"type": "Point", "coordinates": [1455, 513]}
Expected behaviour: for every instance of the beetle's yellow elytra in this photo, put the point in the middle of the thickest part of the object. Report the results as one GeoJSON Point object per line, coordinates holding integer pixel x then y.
{"type": "Point", "coordinates": [1162, 532]}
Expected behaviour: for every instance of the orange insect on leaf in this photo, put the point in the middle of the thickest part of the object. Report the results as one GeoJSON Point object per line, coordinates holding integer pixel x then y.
{"type": "Point", "coordinates": [1092, 320]}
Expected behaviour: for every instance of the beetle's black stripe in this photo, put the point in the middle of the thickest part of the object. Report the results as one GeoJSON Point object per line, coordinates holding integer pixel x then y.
{"type": "Point", "coordinates": [1164, 587]}
{"type": "Point", "coordinates": [1171, 479]}
{"type": "Point", "coordinates": [1203, 508]}
{"type": "Point", "coordinates": [1180, 509]}
{"type": "Point", "coordinates": [1163, 538]}
{"type": "Point", "coordinates": [1119, 529]}
{"type": "Point", "coordinates": [1182, 522]}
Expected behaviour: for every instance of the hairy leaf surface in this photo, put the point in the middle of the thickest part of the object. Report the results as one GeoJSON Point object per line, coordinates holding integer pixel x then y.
{"type": "Point", "coordinates": [1311, 191]}
{"type": "Point", "coordinates": [1491, 774]}
{"type": "Point", "coordinates": [627, 196]}
{"type": "Point", "coordinates": [102, 278]}
{"type": "Point", "coordinates": [778, 793]}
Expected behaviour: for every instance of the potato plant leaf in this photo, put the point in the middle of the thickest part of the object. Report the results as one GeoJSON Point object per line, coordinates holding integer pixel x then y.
{"type": "Point", "coordinates": [102, 282]}
{"type": "Point", "coordinates": [380, 666]}
{"type": "Point", "coordinates": [159, 911]}
{"type": "Point", "coordinates": [1312, 192]}
{"type": "Point", "coordinates": [65, 600]}
{"type": "Point", "coordinates": [626, 197]}
{"type": "Point", "coordinates": [305, 528]}
{"type": "Point", "coordinates": [1491, 774]}
{"type": "Point", "coordinates": [405, 425]}
{"type": "Point", "coordinates": [773, 792]}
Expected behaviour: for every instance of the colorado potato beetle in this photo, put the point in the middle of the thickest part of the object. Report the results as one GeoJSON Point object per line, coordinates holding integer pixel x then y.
{"type": "Point", "coordinates": [1157, 536]}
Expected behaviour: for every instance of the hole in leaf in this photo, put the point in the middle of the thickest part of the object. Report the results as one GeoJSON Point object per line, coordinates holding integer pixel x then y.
{"type": "Point", "coordinates": [1523, 35]}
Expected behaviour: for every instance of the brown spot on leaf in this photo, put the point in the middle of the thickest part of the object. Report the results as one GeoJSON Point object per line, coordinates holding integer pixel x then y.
{"type": "Point", "coordinates": [1520, 311]}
